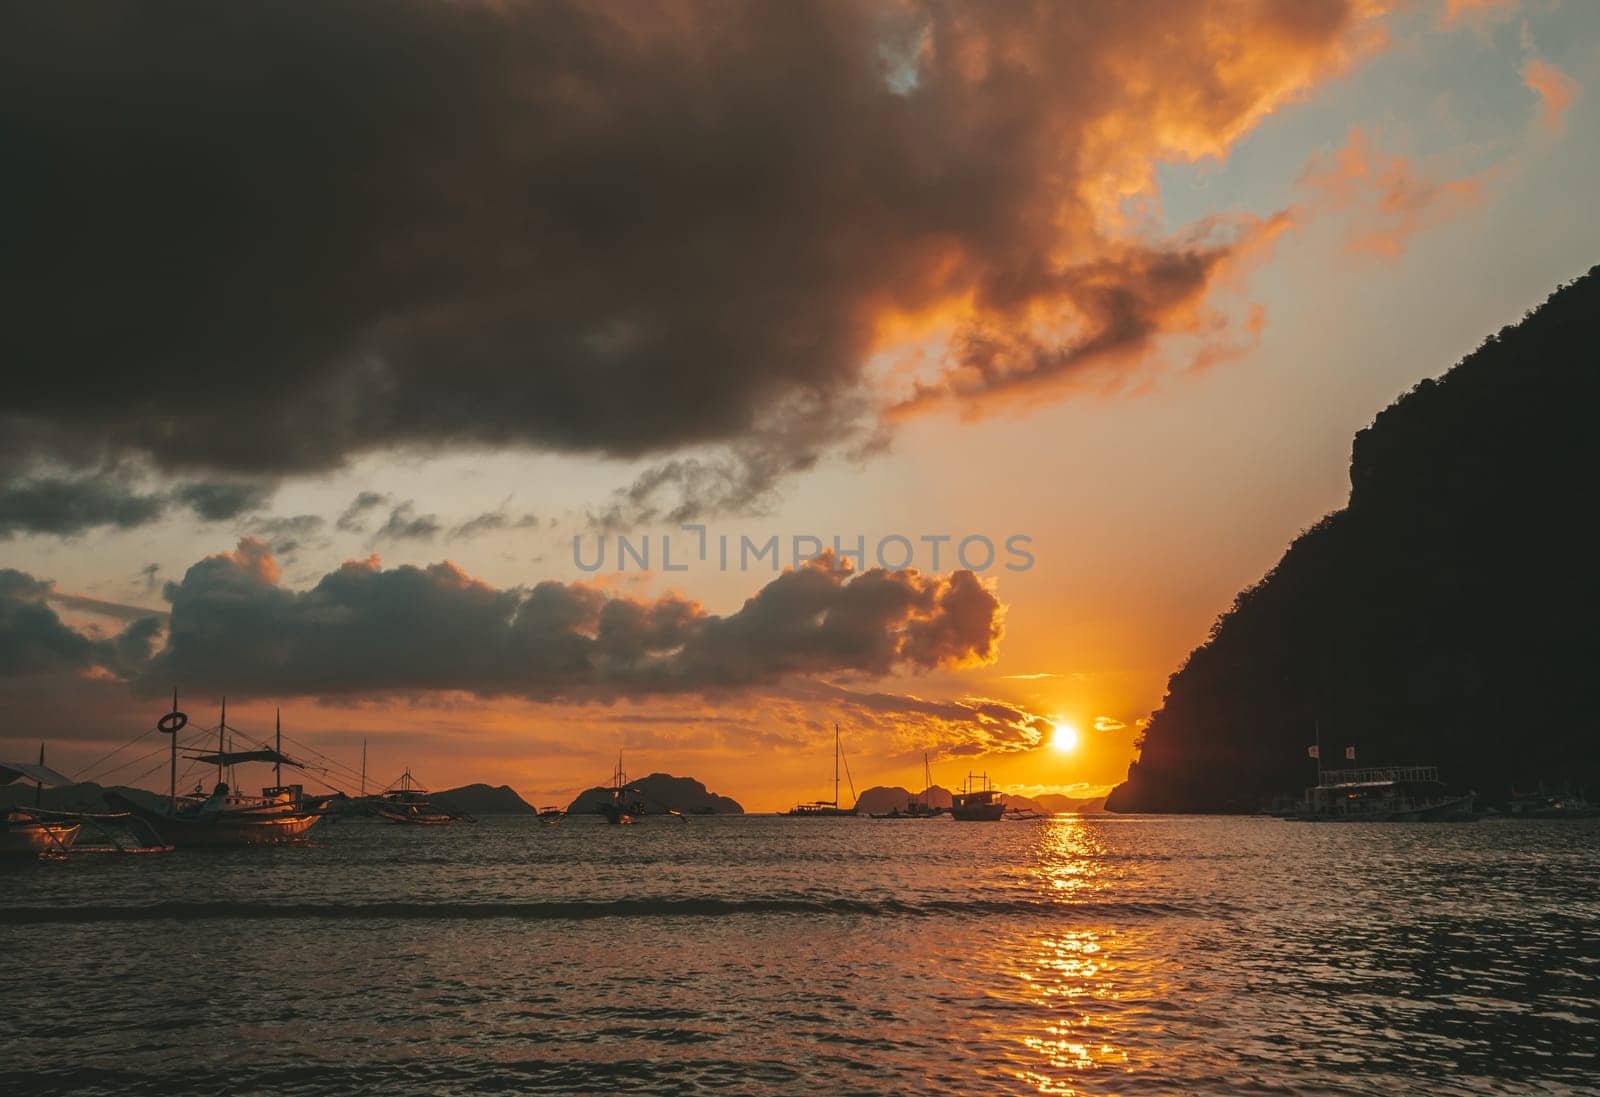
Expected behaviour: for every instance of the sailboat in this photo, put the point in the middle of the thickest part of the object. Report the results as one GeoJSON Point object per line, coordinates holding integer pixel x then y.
{"type": "Point", "coordinates": [828, 808]}
{"type": "Point", "coordinates": [409, 803]}
{"type": "Point", "coordinates": [916, 808]}
{"type": "Point", "coordinates": [225, 818]}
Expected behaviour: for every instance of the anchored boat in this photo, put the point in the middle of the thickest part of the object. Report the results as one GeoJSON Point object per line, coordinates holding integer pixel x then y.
{"type": "Point", "coordinates": [827, 808]}
{"type": "Point", "coordinates": [225, 818]}
{"type": "Point", "coordinates": [916, 808]}
{"type": "Point", "coordinates": [978, 801]}
{"type": "Point", "coordinates": [409, 803]}
{"type": "Point", "coordinates": [1382, 794]}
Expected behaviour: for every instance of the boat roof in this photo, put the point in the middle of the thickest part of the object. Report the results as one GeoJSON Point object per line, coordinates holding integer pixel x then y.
{"type": "Point", "coordinates": [33, 771]}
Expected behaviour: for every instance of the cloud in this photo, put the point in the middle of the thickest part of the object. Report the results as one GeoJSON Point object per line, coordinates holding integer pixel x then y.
{"type": "Point", "coordinates": [367, 629]}
{"type": "Point", "coordinates": [1556, 90]}
{"type": "Point", "coordinates": [1387, 197]}
{"type": "Point", "coordinates": [492, 521]}
{"type": "Point", "coordinates": [353, 519]}
{"type": "Point", "coordinates": [1476, 13]}
{"type": "Point", "coordinates": [35, 641]}
{"type": "Point", "coordinates": [220, 500]}
{"type": "Point", "coordinates": [604, 228]}
{"type": "Point", "coordinates": [65, 506]}
{"type": "Point", "coordinates": [405, 524]}
{"type": "Point", "coordinates": [1108, 723]}
{"type": "Point", "coordinates": [286, 533]}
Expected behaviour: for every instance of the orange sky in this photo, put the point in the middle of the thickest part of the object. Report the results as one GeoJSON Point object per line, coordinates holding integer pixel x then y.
{"type": "Point", "coordinates": [1126, 295]}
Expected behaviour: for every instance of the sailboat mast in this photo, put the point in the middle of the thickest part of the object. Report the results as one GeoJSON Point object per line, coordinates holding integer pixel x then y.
{"type": "Point", "coordinates": [836, 747]}
{"type": "Point", "coordinates": [38, 786]}
{"type": "Point", "coordinates": [277, 766]}
{"type": "Point", "coordinates": [363, 767]}
{"type": "Point", "coordinates": [222, 730]}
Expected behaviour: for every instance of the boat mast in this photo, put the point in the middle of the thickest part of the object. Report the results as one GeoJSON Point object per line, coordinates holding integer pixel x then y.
{"type": "Point", "coordinates": [172, 771]}
{"type": "Point", "coordinates": [38, 786]}
{"type": "Point", "coordinates": [277, 766]}
{"type": "Point", "coordinates": [222, 730]}
{"type": "Point", "coordinates": [363, 767]}
{"type": "Point", "coordinates": [836, 748]}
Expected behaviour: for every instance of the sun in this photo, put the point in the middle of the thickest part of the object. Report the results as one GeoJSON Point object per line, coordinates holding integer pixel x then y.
{"type": "Point", "coordinates": [1064, 739]}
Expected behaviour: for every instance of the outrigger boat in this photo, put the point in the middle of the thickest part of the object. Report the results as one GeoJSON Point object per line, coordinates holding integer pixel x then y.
{"type": "Point", "coordinates": [978, 801]}
{"type": "Point", "coordinates": [625, 804]}
{"type": "Point", "coordinates": [39, 833]}
{"type": "Point", "coordinates": [410, 804]}
{"type": "Point", "coordinates": [226, 818]}
{"type": "Point", "coordinates": [828, 808]}
{"type": "Point", "coordinates": [1383, 794]}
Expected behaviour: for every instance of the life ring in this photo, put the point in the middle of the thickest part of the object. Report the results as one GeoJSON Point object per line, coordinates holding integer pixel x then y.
{"type": "Point", "coordinates": [172, 723]}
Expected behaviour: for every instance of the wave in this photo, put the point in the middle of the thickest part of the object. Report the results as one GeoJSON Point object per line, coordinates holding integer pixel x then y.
{"type": "Point", "coordinates": [570, 910]}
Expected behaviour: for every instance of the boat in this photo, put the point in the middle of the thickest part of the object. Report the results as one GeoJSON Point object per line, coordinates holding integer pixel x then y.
{"type": "Point", "coordinates": [624, 804]}
{"type": "Point", "coordinates": [817, 809]}
{"type": "Point", "coordinates": [915, 808]}
{"type": "Point", "coordinates": [1550, 805]}
{"type": "Point", "coordinates": [1382, 794]}
{"type": "Point", "coordinates": [409, 803]}
{"type": "Point", "coordinates": [33, 832]}
{"type": "Point", "coordinates": [551, 815]}
{"type": "Point", "coordinates": [978, 801]}
{"type": "Point", "coordinates": [43, 833]}
{"type": "Point", "coordinates": [224, 818]}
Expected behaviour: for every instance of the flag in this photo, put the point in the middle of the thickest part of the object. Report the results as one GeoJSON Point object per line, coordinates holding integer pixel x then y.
{"type": "Point", "coordinates": [1349, 754]}
{"type": "Point", "coordinates": [1313, 752]}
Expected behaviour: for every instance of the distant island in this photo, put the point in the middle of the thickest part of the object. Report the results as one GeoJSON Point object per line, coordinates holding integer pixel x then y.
{"type": "Point", "coordinates": [661, 793]}
{"type": "Point", "coordinates": [1442, 616]}
{"type": "Point", "coordinates": [481, 799]}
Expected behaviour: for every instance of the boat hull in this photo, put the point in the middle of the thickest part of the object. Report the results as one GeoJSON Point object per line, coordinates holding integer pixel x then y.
{"type": "Point", "coordinates": [224, 829]}
{"type": "Point", "coordinates": [1446, 811]}
{"type": "Point", "coordinates": [32, 837]}
{"type": "Point", "coordinates": [978, 813]}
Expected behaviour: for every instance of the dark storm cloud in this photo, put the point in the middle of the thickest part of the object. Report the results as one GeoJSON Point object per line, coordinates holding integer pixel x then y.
{"type": "Point", "coordinates": [34, 641]}
{"type": "Point", "coordinates": [366, 629]}
{"type": "Point", "coordinates": [69, 505]}
{"type": "Point", "coordinates": [259, 238]}
{"type": "Point", "coordinates": [220, 500]}
{"type": "Point", "coordinates": [65, 505]}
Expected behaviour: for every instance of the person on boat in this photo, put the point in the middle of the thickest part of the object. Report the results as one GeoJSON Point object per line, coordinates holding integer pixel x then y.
{"type": "Point", "coordinates": [216, 801]}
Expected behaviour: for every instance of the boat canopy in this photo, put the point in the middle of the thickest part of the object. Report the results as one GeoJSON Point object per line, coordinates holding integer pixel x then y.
{"type": "Point", "coordinates": [238, 757]}
{"type": "Point", "coordinates": [33, 771]}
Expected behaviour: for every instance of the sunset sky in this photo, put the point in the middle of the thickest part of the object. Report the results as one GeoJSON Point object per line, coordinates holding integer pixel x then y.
{"type": "Point", "coordinates": [331, 327]}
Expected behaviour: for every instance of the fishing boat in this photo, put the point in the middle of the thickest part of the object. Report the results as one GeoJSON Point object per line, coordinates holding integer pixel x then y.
{"type": "Point", "coordinates": [224, 818]}
{"type": "Point", "coordinates": [26, 832]}
{"type": "Point", "coordinates": [916, 807]}
{"type": "Point", "coordinates": [624, 805]}
{"type": "Point", "coordinates": [409, 803]}
{"type": "Point", "coordinates": [1382, 794]}
{"type": "Point", "coordinates": [828, 808]}
{"type": "Point", "coordinates": [551, 815]}
{"type": "Point", "coordinates": [978, 801]}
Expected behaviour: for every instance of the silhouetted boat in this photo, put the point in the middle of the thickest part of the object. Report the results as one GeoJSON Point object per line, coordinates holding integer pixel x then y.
{"type": "Point", "coordinates": [980, 804]}
{"type": "Point", "coordinates": [624, 804]}
{"type": "Point", "coordinates": [224, 818]}
{"type": "Point", "coordinates": [32, 833]}
{"type": "Point", "coordinates": [411, 805]}
{"type": "Point", "coordinates": [915, 808]}
{"type": "Point", "coordinates": [1382, 794]}
{"type": "Point", "coordinates": [828, 808]}
{"type": "Point", "coordinates": [551, 815]}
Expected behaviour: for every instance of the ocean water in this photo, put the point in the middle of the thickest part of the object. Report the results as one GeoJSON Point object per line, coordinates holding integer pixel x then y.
{"type": "Point", "coordinates": [1076, 955]}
